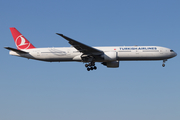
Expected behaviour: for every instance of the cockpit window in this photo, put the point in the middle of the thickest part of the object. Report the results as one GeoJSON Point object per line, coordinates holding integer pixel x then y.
{"type": "Point", "coordinates": [171, 51]}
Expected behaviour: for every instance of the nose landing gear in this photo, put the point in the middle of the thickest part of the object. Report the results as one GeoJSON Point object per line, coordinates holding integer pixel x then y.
{"type": "Point", "coordinates": [91, 66]}
{"type": "Point", "coordinates": [164, 62]}
{"type": "Point", "coordinates": [163, 65]}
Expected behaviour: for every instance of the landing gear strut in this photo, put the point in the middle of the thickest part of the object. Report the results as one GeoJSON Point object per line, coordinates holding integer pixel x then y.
{"type": "Point", "coordinates": [164, 62]}
{"type": "Point", "coordinates": [91, 66]}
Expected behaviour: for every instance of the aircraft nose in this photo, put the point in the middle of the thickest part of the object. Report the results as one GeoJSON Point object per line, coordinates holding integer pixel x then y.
{"type": "Point", "coordinates": [175, 54]}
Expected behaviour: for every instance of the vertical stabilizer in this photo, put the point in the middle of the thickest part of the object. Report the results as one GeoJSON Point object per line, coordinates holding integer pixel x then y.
{"type": "Point", "coordinates": [20, 41]}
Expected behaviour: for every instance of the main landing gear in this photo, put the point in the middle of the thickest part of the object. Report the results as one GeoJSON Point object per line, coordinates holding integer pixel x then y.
{"type": "Point", "coordinates": [164, 62]}
{"type": "Point", "coordinates": [91, 66]}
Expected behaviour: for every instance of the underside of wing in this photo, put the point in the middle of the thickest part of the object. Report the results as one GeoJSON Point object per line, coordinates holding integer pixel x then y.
{"type": "Point", "coordinates": [82, 47]}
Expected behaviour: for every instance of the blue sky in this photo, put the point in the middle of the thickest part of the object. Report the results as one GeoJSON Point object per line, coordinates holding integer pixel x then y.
{"type": "Point", "coordinates": [136, 90]}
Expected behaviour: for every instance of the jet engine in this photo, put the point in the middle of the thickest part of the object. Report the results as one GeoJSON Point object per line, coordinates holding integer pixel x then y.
{"type": "Point", "coordinates": [112, 64]}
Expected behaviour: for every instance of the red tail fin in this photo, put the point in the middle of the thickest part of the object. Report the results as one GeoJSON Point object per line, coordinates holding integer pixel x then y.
{"type": "Point", "coordinates": [20, 41]}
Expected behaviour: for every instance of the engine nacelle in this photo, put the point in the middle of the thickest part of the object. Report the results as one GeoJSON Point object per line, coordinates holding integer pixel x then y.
{"type": "Point", "coordinates": [113, 64]}
{"type": "Point", "coordinates": [110, 56]}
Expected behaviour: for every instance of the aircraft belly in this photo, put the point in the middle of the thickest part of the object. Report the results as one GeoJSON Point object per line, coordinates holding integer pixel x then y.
{"type": "Point", "coordinates": [57, 58]}
{"type": "Point", "coordinates": [52, 57]}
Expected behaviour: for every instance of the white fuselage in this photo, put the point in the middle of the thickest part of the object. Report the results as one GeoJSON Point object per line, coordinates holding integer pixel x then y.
{"type": "Point", "coordinates": [116, 53]}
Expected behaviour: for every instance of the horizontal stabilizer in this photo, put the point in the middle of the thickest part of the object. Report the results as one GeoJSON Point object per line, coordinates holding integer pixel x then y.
{"type": "Point", "coordinates": [16, 50]}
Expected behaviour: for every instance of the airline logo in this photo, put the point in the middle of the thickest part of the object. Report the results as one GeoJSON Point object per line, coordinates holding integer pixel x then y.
{"type": "Point", "coordinates": [21, 42]}
{"type": "Point", "coordinates": [139, 48]}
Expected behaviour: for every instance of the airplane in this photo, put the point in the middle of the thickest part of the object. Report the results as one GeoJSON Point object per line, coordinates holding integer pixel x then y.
{"type": "Point", "coordinates": [79, 52]}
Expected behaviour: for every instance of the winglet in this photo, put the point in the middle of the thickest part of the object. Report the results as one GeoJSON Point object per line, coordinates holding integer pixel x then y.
{"type": "Point", "coordinates": [59, 34]}
{"type": "Point", "coordinates": [67, 38]}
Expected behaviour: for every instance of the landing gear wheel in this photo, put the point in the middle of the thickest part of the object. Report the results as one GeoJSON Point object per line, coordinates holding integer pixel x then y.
{"type": "Point", "coordinates": [88, 69]}
{"type": "Point", "coordinates": [163, 65]}
{"type": "Point", "coordinates": [90, 66]}
{"type": "Point", "coordinates": [164, 62]}
{"type": "Point", "coordinates": [95, 67]}
{"type": "Point", "coordinates": [86, 65]}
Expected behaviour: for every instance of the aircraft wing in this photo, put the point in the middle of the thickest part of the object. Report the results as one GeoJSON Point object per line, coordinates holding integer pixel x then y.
{"type": "Point", "coordinates": [16, 50]}
{"type": "Point", "coordinates": [82, 47]}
